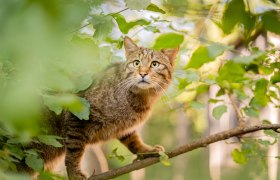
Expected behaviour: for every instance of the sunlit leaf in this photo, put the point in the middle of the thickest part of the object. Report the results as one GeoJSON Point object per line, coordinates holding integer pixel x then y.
{"type": "Point", "coordinates": [260, 98]}
{"type": "Point", "coordinates": [239, 157]}
{"type": "Point", "coordinates": [231, 72]}
{"type": "Point", "coordinates": [251, 111]}
{"type": "Point", "coordinates": [271, 133]}
{"type": "Point", "coordinates": [247, 59]}
{"type": "Point", "coordinates": [102, 24]}
{"type": "Point", "coordinates": [82, 114]}
{"type": "Point", "coordinates": [192, 76]}
{"type": "Point", "coordinates": [168, 40]}
{"type": "Point", "coordinates": [137, 5]}
{"type": "Point", "coordinates": [241, 16]}
{"type": "Point", "coordinates": [203, 88]}
{"type": "Point", "coordinates": [50, 140]}
{"type": "Point", "coordinates": [95, 3]}
{"type": "Point", "coordinates": [125, 26]}
{"type": "Point", "coordinates": [163, 158]}
{"type": "Point", "coordinates": [152, 29]}
{"type": "Point", "coordinates": [219, 111]}
{"type": "Point", "coordinates": [116, 155]}
{"type": "Point", "coordinates": [266, 122]}
{"type": "Point", "coordinates": [266, 142]}
{"type": "Point", "coordinates": [34, 162]}
{"type": "Point", "coordinates": [82, 83]}
{"type": "Point", "coordinates": [204, 54]}
{"type": "Point", "coordinates": [271, 21]}
{"type": "Point", "coordinates": [51, 103]}
{"type": "Point", "coordinates": [197, 105]}
{"type": "Point", "coordinates": [275, 78]}
{"type": "Point", "coordinates": [56, 103]}
{"type": "Point", "coordinates": [259, 7]}
{"type": "Point", "coordinates": [155, 8]}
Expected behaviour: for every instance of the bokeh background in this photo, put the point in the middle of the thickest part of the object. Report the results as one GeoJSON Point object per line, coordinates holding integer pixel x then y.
{"type": "Point", "coordinates": [49, 51]}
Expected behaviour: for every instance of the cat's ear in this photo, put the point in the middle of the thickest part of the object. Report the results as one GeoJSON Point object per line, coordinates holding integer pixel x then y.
{"type": "Point", "coordinates": [129, 46]}
{"type": "Point", "coordinates": [171, 54]}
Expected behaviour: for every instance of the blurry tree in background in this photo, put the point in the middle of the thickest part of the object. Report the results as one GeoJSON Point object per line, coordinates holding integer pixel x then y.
{"type": "Point", "coordinates": [227, 74]}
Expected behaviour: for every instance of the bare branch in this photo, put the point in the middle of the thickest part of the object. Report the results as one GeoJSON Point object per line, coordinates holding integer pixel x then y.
{"type": "Point", "coordinates": [203, 142]}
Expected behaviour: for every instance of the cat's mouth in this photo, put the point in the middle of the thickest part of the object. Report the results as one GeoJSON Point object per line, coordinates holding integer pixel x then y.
{"type": "Point", "coordinates": [143, 84]}
{"type": "Point", "coordinates": [143, 81]}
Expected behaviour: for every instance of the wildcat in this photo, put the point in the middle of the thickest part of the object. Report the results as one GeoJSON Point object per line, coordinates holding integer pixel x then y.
{"type": "Point", "coordinates": [120, 101]}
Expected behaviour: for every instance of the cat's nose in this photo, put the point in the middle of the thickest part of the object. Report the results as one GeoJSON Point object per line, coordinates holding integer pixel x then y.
{"type": "Point", "coordinates": [143, 74]}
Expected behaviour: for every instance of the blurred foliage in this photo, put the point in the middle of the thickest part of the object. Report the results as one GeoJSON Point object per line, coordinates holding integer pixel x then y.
{"type": "Point", "coordinates": [50, 50]}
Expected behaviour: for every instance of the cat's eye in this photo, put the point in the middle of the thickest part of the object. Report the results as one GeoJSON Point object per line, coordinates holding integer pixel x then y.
{"type": "Point", "coordinates": [154, 64]}
{"type": "Point", "coordinates": [136, 63]}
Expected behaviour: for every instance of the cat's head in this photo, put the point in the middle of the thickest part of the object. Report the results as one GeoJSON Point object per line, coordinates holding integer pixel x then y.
{"type": "Point", "coordinates": [148, 69]}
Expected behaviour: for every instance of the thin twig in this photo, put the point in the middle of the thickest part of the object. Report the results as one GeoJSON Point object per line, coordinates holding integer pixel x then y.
{"type": "Point", "coordinates": [110, 14]}
{"type": "Point", "coordinates": [203, 142]}
{"type": "Point", "coordinates": [240, 117]}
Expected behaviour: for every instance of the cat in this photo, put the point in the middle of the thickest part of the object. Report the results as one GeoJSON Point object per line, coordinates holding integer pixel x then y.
{"type": "Point", "coordinates": [120, 101]}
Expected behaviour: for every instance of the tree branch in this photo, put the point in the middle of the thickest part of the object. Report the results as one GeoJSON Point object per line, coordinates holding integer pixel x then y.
{"type": "Point", "coordinates": [202, 142]}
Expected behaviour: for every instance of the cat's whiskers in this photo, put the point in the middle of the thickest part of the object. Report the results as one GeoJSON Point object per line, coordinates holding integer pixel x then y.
{"type": "Point", "coordinates": [170, 85]}
{"type": "Point", "coordinates": [161, 90]}
{"type": "Point", "coordinates": [124, 86]}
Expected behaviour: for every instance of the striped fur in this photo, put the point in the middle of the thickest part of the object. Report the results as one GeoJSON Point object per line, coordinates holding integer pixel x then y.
{"type": "Point", "coordinates": [119, 103]}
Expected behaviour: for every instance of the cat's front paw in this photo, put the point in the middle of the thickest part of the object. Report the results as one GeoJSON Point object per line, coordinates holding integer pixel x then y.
{"type": "Point", "coordinates": [158, 148]}
{"type": "Point", "coordinates": [150, 152]}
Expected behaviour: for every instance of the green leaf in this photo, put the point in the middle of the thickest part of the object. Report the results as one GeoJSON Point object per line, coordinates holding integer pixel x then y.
{"type": "Point", "coordinates": [115, 154]}
{"type": "Point", "coordinates": [152, 29]}
{"type": "Point", "coordinates": [271, 21]}
{"type": "Point", "coordinates": [45, 175]}
{"type": "Point", "coordinates": [247, 59]}
{"type": "Point", "coordinates": [231, 72]}
{"type": "Point", "coordinates": [137, 4]}
{"type": "Point", "coordinates": [241, 16]}
{"type": "Point", "coordinates": [220, 92]}
{"type": "Point", "coordinates": [266, 122]}
{"type": "Point", "coordinates": [203, 88]}
{"type": "Point", "coordinates": [125, 26]}
{"type": "Point", "coordinates": [50, 140]}
{"type": "Point", "coordinates": [204, 54]}
{"type": "Point", "coordinates": [155, 8]}
{"type": "Point", "coordinates": [82, 82]}
{"type": "Point", "coordinates": [251, 111]}
{"type": "Point", "coordinates": [260, 98]}
{"type": "Point", "coordinates": [95, 3]}
{"type": "Point", "coordinates": [102, 24]}
{"type": "Point", "coordinates": [197, 105]}
{"type": "Point", "coordinates": [266, 142]}
{"type": "Point", "coordinates": [241, 95]}
{"type": "Point", "coordinates": [164, 158]}
{"type": "Point", "coordinates": [168, 40]}
{"type": "Point", "coordinates": [31, 152]}
{"type": "Point", "coordinates": [83, 113]}
{"type": "Point", "coordinates": [182, 83]}
{"type": "Point", "coordinates": [271, 133]}
{"type": "Point", "coordinates": [52, 104]}
{"type": "Point", "coordinates": [214, 100]}
{"type": "Point", "coordinates": [219, 111]}
{"type": "Point", "coordinates": [275, 78]}
{"type": "Point", "coordinates": [56, 103]}
{"type": "Point", "coordinates": [239, 157]}
{"type": "Point", "coordinates": [34, 162]}
{"type": "Point", "coordinates": [192, 76]}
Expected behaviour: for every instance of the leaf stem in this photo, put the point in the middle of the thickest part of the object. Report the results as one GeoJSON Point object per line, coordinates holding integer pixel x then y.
{"type": "Point", "coordinates": [110, 14]}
